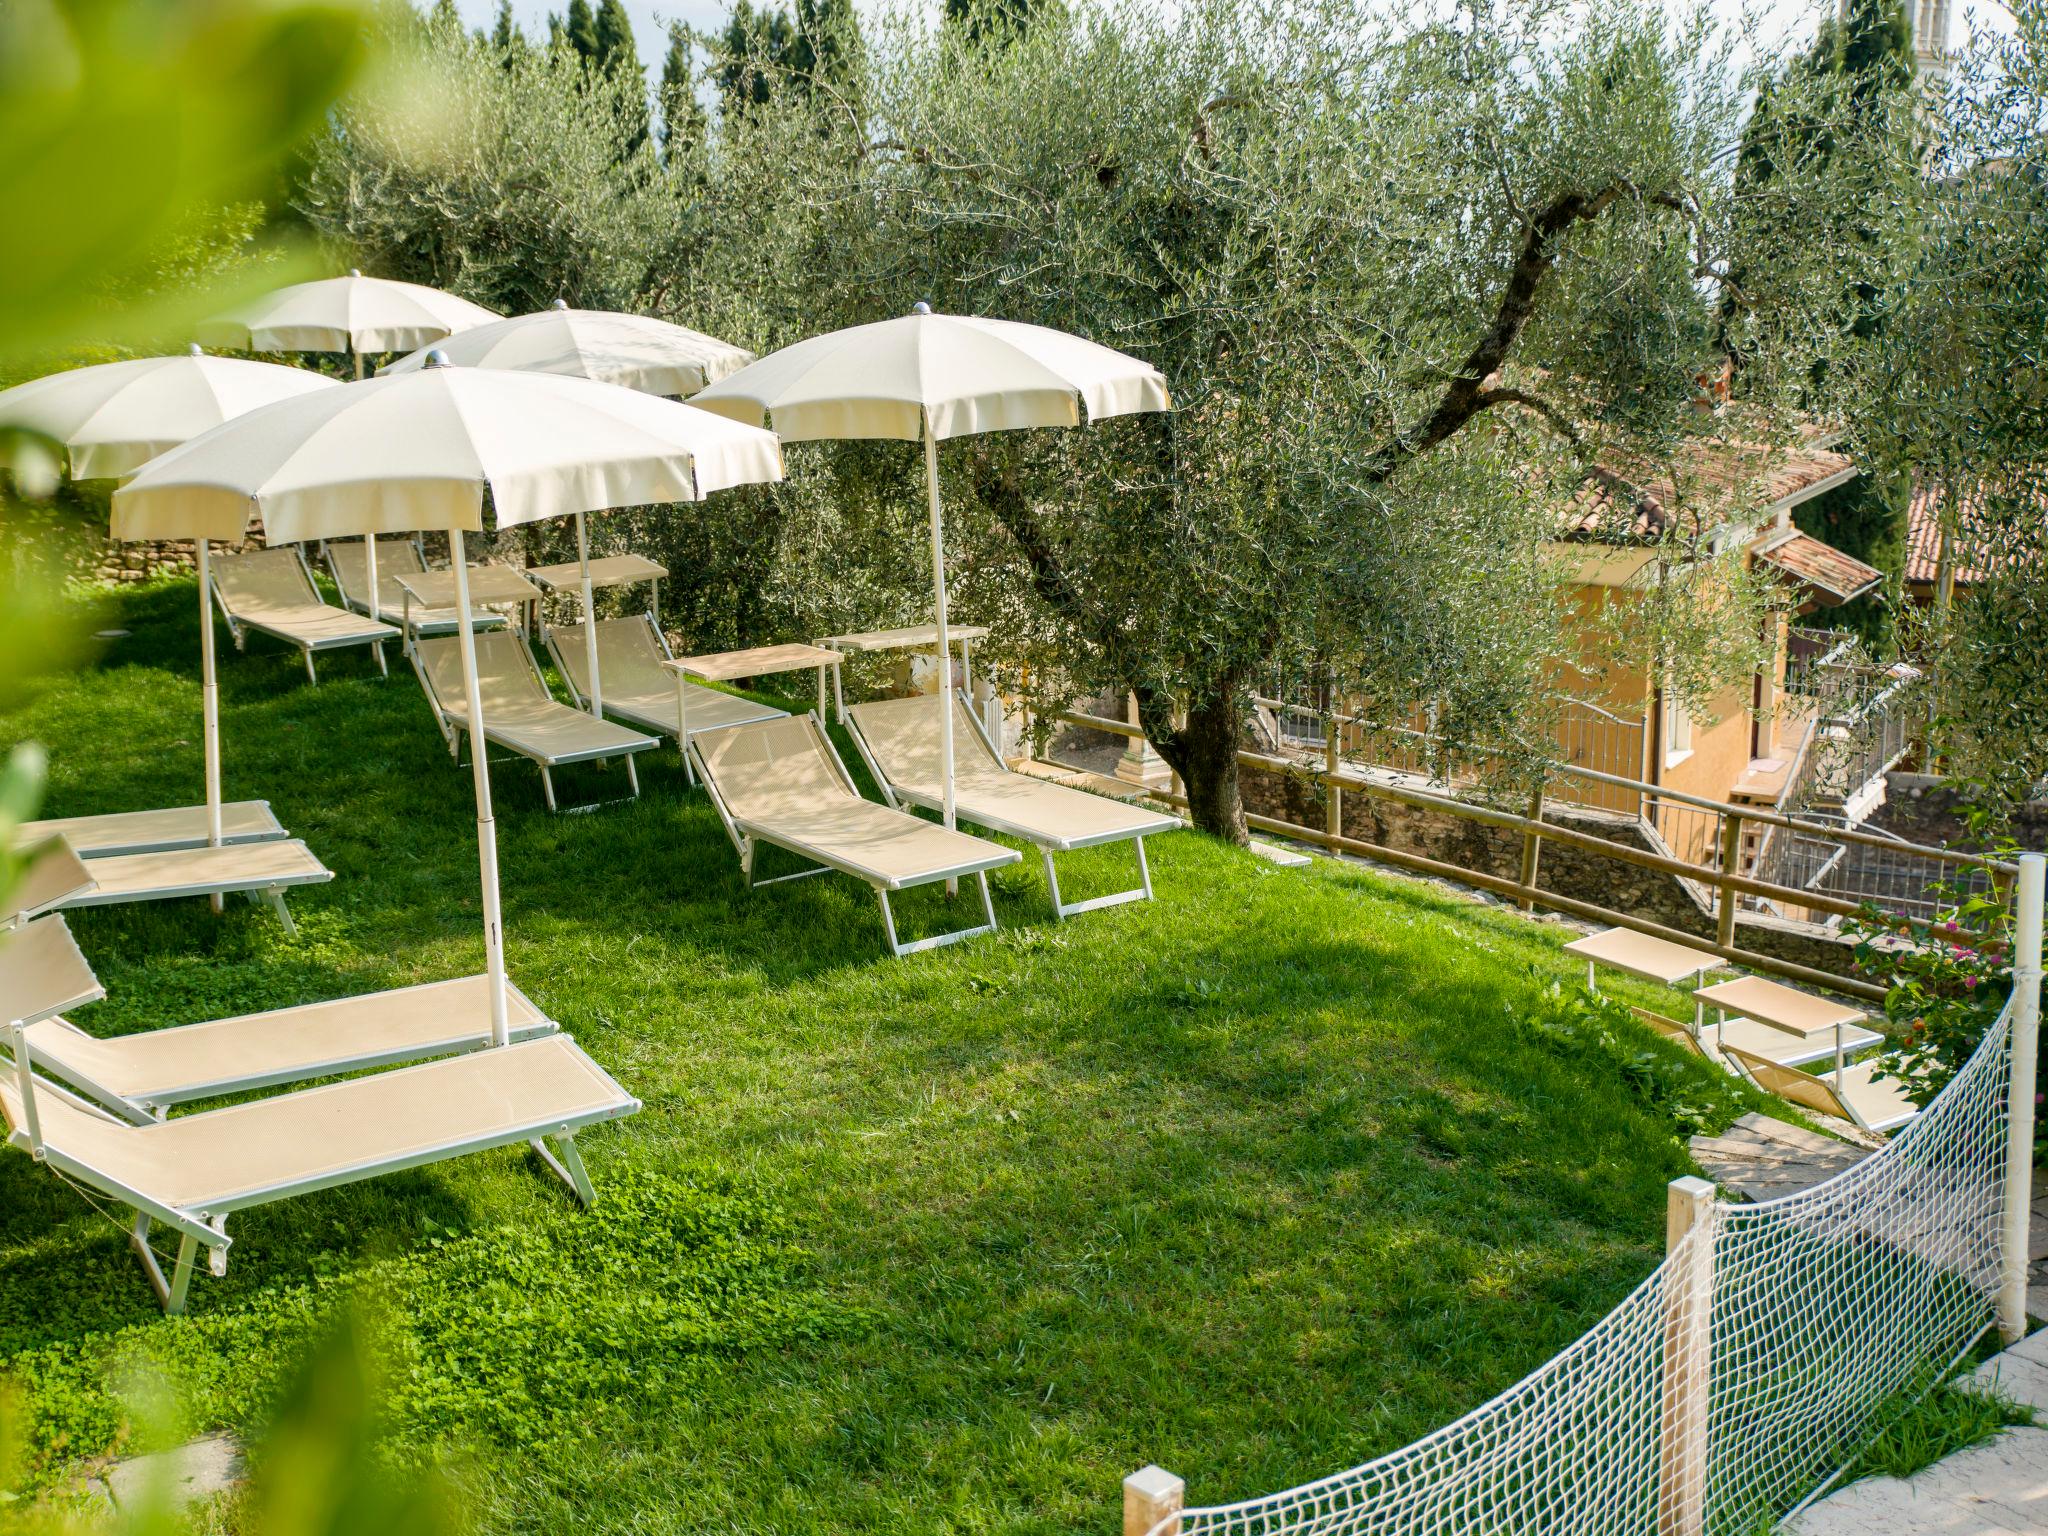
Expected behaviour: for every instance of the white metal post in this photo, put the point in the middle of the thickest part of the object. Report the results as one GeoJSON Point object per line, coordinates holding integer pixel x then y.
{"type": "Point", "coordinates": [1153, 1500]}
{"type": "Point", "coordinates": [2019, 1115]}
{"type": "Point", "coordinates": [209, 697]}
{"type": "Point", "coordinates": [945, 692]}
{"type": "Point", "coordinates": [486, 824]}
{"type": "Point", "coordinates": [1688, 1364]}
{"type": "Point", "coordinates": [370, 564]}
{"type": "Point", "coordinates": [589, 620]}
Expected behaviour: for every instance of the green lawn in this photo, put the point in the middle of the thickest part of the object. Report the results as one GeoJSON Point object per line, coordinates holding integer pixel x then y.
{"type": "Point", "coordinates": [1256, 1181]}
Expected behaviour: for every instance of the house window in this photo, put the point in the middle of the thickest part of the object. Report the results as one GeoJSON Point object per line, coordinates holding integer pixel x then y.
{"type": "Point", "coordinates": [1677, 730]}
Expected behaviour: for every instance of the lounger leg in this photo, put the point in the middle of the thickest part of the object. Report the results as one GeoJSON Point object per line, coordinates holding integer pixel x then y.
{"type": "Point", "coordinates": [181, 1277]}
{"type": "Point", "coordinates": [1052, 883]}
{"type": "Point", "coordinates": [274, 899]}
{"type": "Point", "coordinates": [747, 870]}
{"type": "Point", "coordinates": [988, 906]}
{"type": "Point", "coordinates": [383, 670]}
{"type": "Point", "coordinates": [633, 776]}
{"type": "Point", "coordinates": [568, 1166]}
{"type": "Point", "coordinates": [547, 784]}
{"type": "Point", "coordinates": [311, 675]}
{"type": "Point", "coordinates": [889, 923]}
{"type": "Point", "coordinates": [1144, 869]}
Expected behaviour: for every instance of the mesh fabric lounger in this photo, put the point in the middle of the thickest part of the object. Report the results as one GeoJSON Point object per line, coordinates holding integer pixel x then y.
{"type": "Point", "coordinates": [1642, 954]}
{"type": "Point", "coordinates": [1763, 1041]}
{"type": "Point", "coordinates": [520, 714]}
{"type": "Point", "coordinates": [780, 782]}
{"type": "Point", "coordinates": [1672, 1030]}
{"type": "Point", "coordinates": [1861, 1099]}
{"type": "Point", "coordinates": [191, 1173]}
{"type": "Point", "coordinates": [139, 1076]}
{"type": "Point", "coordinates": [637, 687]}
{"type": "Point", "coordinates": [241, 821]}
{"type": "Point", "coordinates": [348, 563]}
{"type": "Point", "coordinates": [900, 740]}
{"type": "Point", "coordinates": [272, 592]}
{"type": "Point", "coordinates": [263, 872]}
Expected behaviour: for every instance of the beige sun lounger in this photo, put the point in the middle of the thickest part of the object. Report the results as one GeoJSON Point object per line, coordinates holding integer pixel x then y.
{"type": "Point", "coordinates": [348, 563]}
{"type": "Point", "coordinates": [1641, 954]}
{"type": "Point", "coordinates": [637, 687]}
{"type": "Point", "coordinates": [1673, 1030]}
{"type": "Point", "coordinates": [241, 821]}
{"type": "Point", "coordinates": [272, 592]}
{"type": "Point", "coordinates": [899, 738]}
{"type": "Point", "coordinates": [192, 1172]}
{"type": "Point", "coordinates": [520, 714]}
{"type": "Point", "coordinates": [780, 782]}
{"type": "Point", "coordinates": [1862, 1099]}
{"type": "Point", "coordinates": [139, 1076]}
{"type": "Point", "coordinates": [263, 872]}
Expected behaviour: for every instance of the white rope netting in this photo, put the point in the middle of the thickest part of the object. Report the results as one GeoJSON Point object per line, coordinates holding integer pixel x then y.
{"type": "Point", "coordinates": [1788, 1325]}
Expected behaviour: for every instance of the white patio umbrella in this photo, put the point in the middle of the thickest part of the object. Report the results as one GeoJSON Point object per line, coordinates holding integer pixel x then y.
{"type": "Point", "coordinates": [115, 417]}
{"type": "Point", "coordinates": [629, 350]}
{"type": "Point", "coordinates": [934, 377]}
{"type": "Point", "coordinates": [353, 314]}
{"type": "Point", "coordinates": [419, 450]}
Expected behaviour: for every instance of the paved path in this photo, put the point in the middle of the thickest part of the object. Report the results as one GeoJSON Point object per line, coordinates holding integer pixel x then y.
{"type": "Point", "coordinates": [1996, 1488]}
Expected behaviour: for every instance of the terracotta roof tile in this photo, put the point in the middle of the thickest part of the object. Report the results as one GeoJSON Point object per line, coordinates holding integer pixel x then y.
{"type": "Point", "coordinates": [1705, 483]}
{"type": "Point", "coordinates": [1821, 569]}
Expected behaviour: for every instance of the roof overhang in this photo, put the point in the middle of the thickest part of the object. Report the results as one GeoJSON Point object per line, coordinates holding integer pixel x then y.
{"type": "Point", "coordinates": [1826, 575]}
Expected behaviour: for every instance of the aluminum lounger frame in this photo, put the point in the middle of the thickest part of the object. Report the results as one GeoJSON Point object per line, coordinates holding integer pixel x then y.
{"type": "Point", "coordinates": [746, 834]}
{"type": "Point", "coordinates": [454, 730]}
{"type": "Point", "coordinates": [1047, 846]}
{"type": "Point", "coordinates": [90, 888]}
{"type": "Point", "coordinates": [1774, 1077]}
{"type": "Point", "coordinates": [439, 623]}
{"type": "Point", "coordinates": [664, 724]}
{"type": "Point", "coordinates": [239, 625]}
{"type": "Point", "coordinates": [206, 1226]}
{"type": "Point", "coordinates": [242, 821]}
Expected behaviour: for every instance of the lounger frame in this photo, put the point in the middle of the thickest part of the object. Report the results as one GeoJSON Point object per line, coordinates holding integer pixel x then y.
{"type": "Point", "coordinates": [239, 627]}
{"type": "Point", "coordinates": [665, 724]}
{"type": "Point", "coordinates": [413, 629]}
{"type": "Point", "coordinates": [207, 1228]}
{"type": "Point", "coordinates": [268, 893]}
{"type": "Point", "coordinates": [455, 732]}
{"type": "Point", "coordinates": [747, 835]}
{"type": "Point", "coordinates": [1047, 845]}
{"type": "Point", "coordinates": [67, 827]}
{"type": "Point", "coordinates": [1747, 1064]}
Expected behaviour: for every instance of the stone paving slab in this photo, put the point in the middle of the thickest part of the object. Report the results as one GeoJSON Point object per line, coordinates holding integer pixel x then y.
{"type": "Point", "coordinates": [1998, 1488]}
{"type": "Point", "coordinates": [189, 1473]}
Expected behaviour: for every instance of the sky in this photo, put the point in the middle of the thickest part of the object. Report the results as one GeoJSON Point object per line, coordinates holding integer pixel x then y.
{"type": "Point", "coordinates": [1779, 19]}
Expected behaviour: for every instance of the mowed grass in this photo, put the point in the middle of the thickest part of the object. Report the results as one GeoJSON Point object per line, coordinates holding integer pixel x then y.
{"type": "Point", "coordinates": [1256, 1181]}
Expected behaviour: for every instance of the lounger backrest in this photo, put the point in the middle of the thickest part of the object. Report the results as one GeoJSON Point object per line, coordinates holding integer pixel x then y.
{"type": "Point", "coordinates": [42, 972]}
{"type": "Point", "coordinates": [504, 670]}
{"type": "Point", "coordinates": [350, 562]}
{"type": "Point", "coordinates": [264, 581]}
{"type": "Point", "coordinates": [85, 1137]}
{"type": "Point", "coordinates": [1670, 1029]}
{"type": "Point", "coordinates": [771, 767]}
{"type": "Point", "coordinates": [1791, 1084]}
{"type": "Point", "coordinates": [629, 658]}
{"type": "Point", "coordinates": [903, 734]}
{"type": "Point", "coordinates": [53, 872]}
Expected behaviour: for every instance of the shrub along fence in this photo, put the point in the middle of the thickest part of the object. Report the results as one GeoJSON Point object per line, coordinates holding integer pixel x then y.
{"type": "Point", "coordinates": [1738, 1380]}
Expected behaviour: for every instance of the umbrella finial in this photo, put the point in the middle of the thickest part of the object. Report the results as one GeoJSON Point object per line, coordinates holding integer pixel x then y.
{"type": "Point", "coordinates": [920, 308]}
{"type": "Point", "coordinates": [355, 271]}
{"type": "Point", "coordinates": [437, 359]}
{"type": "Point", "coordinates": [559, 304]}
{"type": "Point", "coordinates": [195, 350]}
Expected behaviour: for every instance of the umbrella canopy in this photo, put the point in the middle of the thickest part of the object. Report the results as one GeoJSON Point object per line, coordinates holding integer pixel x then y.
{"type": "Point", "coordinates": [630, 350]}
{"type": "Point", "coordinates": [345, 314]}
{"type": "Point", "coordinates": [115, 417]}
{"type": "Point", "coordinates": [420, 450]}
{"type": "Point", "coordinates": [934, 377]}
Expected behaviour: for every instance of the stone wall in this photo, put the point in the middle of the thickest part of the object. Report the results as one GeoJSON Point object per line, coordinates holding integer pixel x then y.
{"type": "Point", "coordinates": [142, 559]}
{"type": "Point", "coordinates": [1923, 809]}
{"type": "Point", "coordinates": [1576, 872]}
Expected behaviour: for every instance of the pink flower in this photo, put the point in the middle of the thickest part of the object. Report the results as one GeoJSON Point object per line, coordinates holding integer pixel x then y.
{"type": "Point", "coordinates": [1969, 983]}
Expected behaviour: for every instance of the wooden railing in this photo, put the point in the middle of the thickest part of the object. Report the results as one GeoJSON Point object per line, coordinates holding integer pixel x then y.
{"type": "Point", "coordinates": [1724, 878]}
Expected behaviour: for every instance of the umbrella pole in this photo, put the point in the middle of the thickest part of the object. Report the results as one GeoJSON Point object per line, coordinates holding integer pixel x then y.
{"type": "Point", "coordinates": [480, 768]}
{"type": "Point", "coordinates": [209, 702]}
{"type": "Point", "coordinates": [589, 620]}
{"type": "Point", "coordinates": [370, 564]}
{"type": "Point", "coordinates": [931, 486]}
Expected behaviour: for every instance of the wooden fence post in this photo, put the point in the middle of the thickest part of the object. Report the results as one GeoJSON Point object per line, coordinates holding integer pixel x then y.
{"type": "Point", "coordinates": [1688, 1362]}
{"type": "Point", "coordinates": [1333, 792]}
{"type": "Point", "coordinates": [1152, 1495]}
{"type": "Point", "coordinates": [1731, 864]}
{"type": "Point", "coordinates": [1532, 846]}
{"type": "Point", "coordinates": [2019, 1116]}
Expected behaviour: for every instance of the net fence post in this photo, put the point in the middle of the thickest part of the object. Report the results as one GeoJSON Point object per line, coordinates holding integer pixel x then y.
{"type": "Point", "coordinates": [1688, 1364]}
{"type": "Point", "coordinates": [2019, 1115]}
{"type": "Point", "coordinates": [1153, 1495]}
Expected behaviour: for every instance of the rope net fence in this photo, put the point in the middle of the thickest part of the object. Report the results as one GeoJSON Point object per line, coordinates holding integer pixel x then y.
{"type": "Point", "coordinates": [1734, 1383]}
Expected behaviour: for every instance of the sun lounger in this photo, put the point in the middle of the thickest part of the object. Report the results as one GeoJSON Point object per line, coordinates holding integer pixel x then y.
{"type": "Point", "coordinates": [520, 714]}
{"type": "Point", "coordinates": [139, 1076]}
{"type": "Point", "coordinates": [899, 738]}
{"type": "Point", "coordinates": [241, 821]}
{"type": "Point", "coordinates": [192, 1172]}
{"type": "Point", "coordinates": [1674, 1031]}
{"type": "Point", "coordinates": [637, 687]}
{"type": "Point", "coordinates": [348, 563]}
{"type": "Point", "coordinates": [1860, 1097]}
{"type": "Point", "coordinates": [263, 872]}
{"type": "Point", "coordinates": [272, 592]}
{"type": "Point", "coordinates": [780, 782]}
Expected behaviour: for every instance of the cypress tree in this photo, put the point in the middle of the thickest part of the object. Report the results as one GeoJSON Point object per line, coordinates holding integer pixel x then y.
{"type": "Point", "coordinates": [581, 30]}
